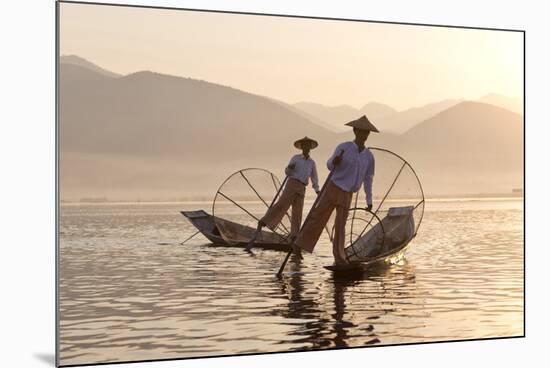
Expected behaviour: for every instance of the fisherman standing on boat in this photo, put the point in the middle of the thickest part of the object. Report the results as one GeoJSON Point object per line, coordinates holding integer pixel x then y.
{"type": "Point", "coordinates": [300, 169]}
{"type": "Point", "coordinates": [352, 166]}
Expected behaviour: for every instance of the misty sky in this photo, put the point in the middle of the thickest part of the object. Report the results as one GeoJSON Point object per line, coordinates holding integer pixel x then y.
{"type": "Point", "coordinates": [293, 60]}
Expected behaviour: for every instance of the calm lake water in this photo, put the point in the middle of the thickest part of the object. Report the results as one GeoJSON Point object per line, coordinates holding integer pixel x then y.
{"type": "Point", "coordinates": [130, 291]}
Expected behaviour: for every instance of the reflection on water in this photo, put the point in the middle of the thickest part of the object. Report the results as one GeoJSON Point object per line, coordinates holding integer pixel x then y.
{"type": "Point", "coordinates": [129, 291]}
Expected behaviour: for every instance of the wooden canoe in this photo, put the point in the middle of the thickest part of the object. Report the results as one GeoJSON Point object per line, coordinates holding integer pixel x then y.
{"type": "Point", "coordinates": [237, 235]}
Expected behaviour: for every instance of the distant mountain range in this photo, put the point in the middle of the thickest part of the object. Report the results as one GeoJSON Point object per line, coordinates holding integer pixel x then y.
{"type": "Point", "coordinates": [149, 135]}
{"type": "Point", "coordinates": [509, 103]}
{"type": "Point", "coordinates": [389, 120]}
{"type": "Point", "coordinates": [335, 117]}
{"type": "Point", "coordinates": [152, 114]}
{"type": "Point", "coordinates": [386, 118]}
{"type": "Point", "coordinates": [377, 110]}
{"type": "Point", "coordinates": [152, 132]}
{"type": "Point", "coordinates": [79, 61]}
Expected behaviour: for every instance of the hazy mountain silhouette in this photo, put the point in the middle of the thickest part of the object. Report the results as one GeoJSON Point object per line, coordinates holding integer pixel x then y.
{"type": "Point", "coordinates": [334, 116]}
{"type": "Point", "coordinates": [149, 135]}
{"type": "Point", "coordinates": [307, 116]}
{"type": "Point", "coordinates": [117, 127]}
{"type": "Point", "coordinates": [156, 114]}
{"type": "Point", "coordinates": [386, 119]}
{"type": "Point", "coordinates": [404, 120]}
{"type": "Point", "coordinates": [375, 110]}
{"type": "Point", "coordinates": [470, 135]}
{"type": "Point", "coordinates": [509, 103]}
{"type": "Point", "coordinates": [470, 147]}
{"type": "Point", "coordinates": [79, 61]}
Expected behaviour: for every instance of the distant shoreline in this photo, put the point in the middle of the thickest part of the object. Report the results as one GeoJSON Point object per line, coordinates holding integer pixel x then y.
{"type": "Point", "coordinates": [435, 198]}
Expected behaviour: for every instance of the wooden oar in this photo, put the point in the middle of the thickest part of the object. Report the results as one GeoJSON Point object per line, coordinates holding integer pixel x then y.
{"type": "Point", "coordinates": [281, 269]}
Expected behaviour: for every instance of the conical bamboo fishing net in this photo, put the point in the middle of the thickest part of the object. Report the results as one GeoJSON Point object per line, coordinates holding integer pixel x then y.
{"type": "Point", "coordinates": [244, 198]}
{"type": "Point", "coordinates": [398, 208]}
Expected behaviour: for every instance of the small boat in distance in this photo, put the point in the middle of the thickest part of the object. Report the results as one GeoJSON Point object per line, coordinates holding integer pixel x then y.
{"type": "Point", "coordinates": [236, 235]}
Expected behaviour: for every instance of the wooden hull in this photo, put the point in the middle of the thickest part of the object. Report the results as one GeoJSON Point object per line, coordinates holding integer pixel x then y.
{"type": "Point", "coordinates": [356, 267]}
{"type": "Point", "coordinates": [237, 234]}
{"type": "Point", "coordinates": [369, 250]}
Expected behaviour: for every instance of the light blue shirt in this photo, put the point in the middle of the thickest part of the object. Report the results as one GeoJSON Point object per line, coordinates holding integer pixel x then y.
{"type": "Point", "coordinates": [304, 169]}
{"type": "Point", "coordinates": [355, 169]}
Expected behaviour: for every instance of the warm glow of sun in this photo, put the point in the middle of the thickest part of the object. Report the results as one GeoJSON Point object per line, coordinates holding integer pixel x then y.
{"type": "Point", "coordinates": [328, 62]}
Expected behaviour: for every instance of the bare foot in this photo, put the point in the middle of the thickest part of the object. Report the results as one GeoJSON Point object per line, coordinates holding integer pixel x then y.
{"type": "Point", "coordinates": [249, 246]}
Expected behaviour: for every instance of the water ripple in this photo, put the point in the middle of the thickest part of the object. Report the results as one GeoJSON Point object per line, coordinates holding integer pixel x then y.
{"type": "Point", "coordinates": [124, 296]}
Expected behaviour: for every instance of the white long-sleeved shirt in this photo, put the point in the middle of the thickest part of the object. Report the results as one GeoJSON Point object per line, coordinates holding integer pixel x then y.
{"type": "Point", "coordinates": [356, 168]}
{"type": "Point", "coordinates": [303, 170]}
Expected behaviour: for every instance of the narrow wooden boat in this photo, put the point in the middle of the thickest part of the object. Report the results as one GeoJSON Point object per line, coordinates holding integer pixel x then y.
{"type": "Point", "coordinates": [386, 242]}
{"type": "Point", "coordinates": [235, 235]}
